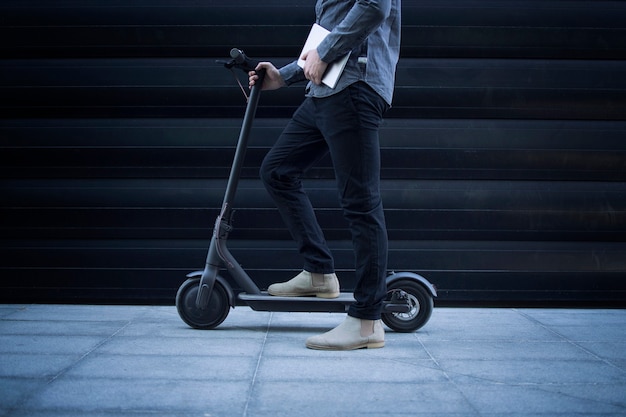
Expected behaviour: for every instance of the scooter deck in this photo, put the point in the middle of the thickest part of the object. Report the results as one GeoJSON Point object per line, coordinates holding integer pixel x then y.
{"type": "Point", "coordinates": [266, 302]}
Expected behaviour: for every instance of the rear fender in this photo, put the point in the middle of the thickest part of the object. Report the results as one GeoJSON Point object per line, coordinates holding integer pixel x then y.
{"type": "Point", "coordinates": [396, 276]}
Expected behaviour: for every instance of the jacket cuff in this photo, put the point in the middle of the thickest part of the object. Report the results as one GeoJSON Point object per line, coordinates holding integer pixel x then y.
{"type": "Point", "coordinates": [292, 73]}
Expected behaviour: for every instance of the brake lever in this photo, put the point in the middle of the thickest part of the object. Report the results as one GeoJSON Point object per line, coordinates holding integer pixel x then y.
{"type": "Point", "coordinates": [240, 61]}
{"type": "Point", "coordinates": [227, 64]}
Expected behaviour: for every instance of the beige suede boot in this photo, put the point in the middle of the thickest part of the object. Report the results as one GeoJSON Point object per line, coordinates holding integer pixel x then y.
{"type": "Point", "coordinates": [352, 334]}
{"type": "Point", "coordinates": [307, 284]}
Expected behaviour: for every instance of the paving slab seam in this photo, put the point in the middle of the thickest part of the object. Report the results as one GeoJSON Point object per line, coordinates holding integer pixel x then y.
{"type": "Point", "coordinates": [570, 341]}
{"type": "Point", "coordinates": [24, 400]}
{"type": "Point", "coordinates": [474, 410]}
{"type": "Point", "coordinates": [89, 352]}
{"type": "Point", "coordinates": [257, 367]}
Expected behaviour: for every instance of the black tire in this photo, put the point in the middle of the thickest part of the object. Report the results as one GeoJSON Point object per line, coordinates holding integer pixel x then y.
{"type": "Point", "coordinates": [206, 319]}
{"type": "Point", "coordinates": [421, 302]}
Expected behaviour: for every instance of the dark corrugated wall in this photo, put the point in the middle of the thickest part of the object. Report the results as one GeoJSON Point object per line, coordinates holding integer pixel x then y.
{"type": "Point", "coordinates": [504, 155]}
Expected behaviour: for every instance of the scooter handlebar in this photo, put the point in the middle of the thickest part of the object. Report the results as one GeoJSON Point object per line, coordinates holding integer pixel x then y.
{"type": "Point", "coordinates": [240, 60]}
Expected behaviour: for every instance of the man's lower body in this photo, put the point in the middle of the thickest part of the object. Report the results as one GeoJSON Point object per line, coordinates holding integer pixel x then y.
{"type": "Point", "coordinates": [346, 126]}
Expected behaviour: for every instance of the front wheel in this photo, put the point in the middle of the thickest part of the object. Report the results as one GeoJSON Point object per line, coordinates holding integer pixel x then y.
{"type": "Point", "coordinates": [420, 303]}
{"type": "Point", "coordinates": [209, 318]}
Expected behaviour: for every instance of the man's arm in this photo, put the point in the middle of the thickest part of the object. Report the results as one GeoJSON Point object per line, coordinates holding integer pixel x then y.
{"type": "Point", "coordinates": [363, 19]}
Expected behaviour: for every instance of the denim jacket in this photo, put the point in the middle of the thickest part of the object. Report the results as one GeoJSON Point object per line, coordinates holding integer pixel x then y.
{"type": "Point", "coordinates": [368, 28]}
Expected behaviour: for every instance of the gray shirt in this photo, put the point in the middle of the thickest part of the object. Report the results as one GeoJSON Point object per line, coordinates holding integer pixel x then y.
{"type": "Point", "coordinates": [368, 28]}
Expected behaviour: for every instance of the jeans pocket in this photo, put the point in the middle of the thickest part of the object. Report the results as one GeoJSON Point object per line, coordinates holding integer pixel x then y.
{"type": "Point", "coordinates": [367, 103]}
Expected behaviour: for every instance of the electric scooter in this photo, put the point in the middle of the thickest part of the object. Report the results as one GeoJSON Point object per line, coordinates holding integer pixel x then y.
{"type": "Point", "coordinates": [204, 300]}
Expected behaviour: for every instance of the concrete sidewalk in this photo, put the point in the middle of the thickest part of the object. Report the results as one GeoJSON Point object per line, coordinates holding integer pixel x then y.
{"type": "Point", "coordinates": [72, 360]}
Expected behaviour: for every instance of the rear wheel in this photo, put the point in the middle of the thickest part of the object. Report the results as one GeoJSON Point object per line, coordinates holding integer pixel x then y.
{"type": "Point", "coordinates": [420, 303]}
{"type": "Point", "coordinates": [209, 318]}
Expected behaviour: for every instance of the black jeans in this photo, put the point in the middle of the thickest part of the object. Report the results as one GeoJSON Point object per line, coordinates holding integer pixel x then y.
{"type": "Point", "coordinates": [346, 125]}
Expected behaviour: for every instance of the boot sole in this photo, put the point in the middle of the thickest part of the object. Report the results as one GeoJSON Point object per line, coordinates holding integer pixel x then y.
{"type": "Point", "coordinates": [299, 294]}
{"type": "Point", "coordinates": [371, 345]}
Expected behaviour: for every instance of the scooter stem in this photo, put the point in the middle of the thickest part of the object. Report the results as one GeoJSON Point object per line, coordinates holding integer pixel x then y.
{"type": "Point", "coordinates": [218, 253]}
{"type": "Point", "coordinates": [242, 144]}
